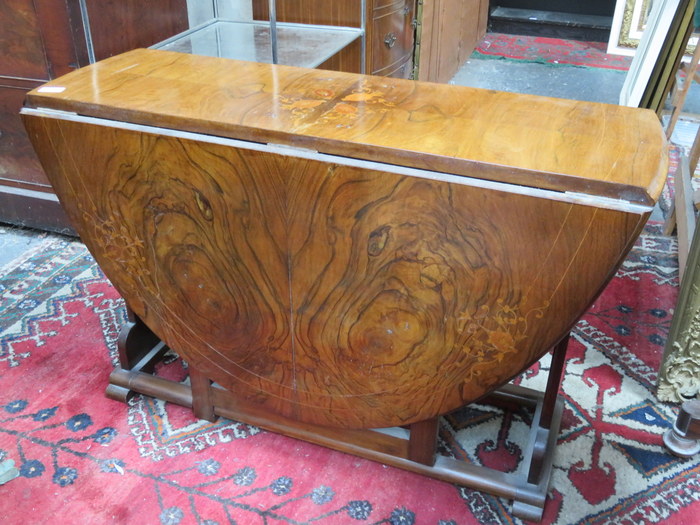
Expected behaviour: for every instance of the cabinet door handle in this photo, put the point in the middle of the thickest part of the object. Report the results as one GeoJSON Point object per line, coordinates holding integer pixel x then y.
{"type": "Point", "coordinates": [390, 40]}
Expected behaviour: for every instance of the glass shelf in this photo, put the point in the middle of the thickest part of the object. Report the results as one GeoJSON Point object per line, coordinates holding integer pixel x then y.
{"type": "Point", "coordinates": [300, 45]}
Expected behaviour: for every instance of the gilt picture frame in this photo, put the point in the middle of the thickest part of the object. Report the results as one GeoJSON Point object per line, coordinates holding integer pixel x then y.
{"type": "Point", "coordinates": [629, 20]}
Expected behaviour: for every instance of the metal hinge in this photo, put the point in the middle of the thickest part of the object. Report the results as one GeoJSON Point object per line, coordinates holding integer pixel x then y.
{"type": "Point", "coordinates": [417, 36]}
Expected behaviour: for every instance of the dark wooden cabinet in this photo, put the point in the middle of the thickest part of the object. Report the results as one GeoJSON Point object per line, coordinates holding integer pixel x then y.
{"type": "Point", "coordinates": [41, 40]}
{"type": "Point", "coordinates": [36, 43]}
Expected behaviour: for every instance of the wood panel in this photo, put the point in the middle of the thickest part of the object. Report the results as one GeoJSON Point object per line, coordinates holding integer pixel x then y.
{"type": "Point", "coordinates": [120, 25]}
{"type": "Point", "coordinates": [348, 59]}
{"type": "Point", "coordinates": [422, 125]}
{"type": "Point", "coordinates": [482, 22]}
{"type": "Point", "coordinates": [37, 39]}
{"type": "Point", "coordinates": [322, 12]}
{"type": "Point", "coordinates": [402, 69]}
{"type": "Point", "coordinates": [390, 299]}
{"type": "Point", "coordinates": [449, 33]}
{"type": "Point", "coordinates": [62, 35]}
{"type": "Point", "coordinates": [19, 165]}
{"type": "Point", "coordinates": [20, 41]}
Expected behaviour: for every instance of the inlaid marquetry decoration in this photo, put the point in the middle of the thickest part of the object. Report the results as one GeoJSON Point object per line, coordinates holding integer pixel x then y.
{"type": "Point", "coordinates": [344, 250]}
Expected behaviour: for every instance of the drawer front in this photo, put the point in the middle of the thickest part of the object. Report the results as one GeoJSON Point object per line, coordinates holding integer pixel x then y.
{"type": "Point", "coordinates": [404, 69]}
{"type": "Point", "coordinates": [384, 4]}
{"type": "Point", "coordinates": [392, 35]}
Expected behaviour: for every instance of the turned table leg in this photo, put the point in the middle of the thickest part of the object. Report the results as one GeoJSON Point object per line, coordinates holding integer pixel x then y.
{"type": "Point", "coordinates": [139, 350]}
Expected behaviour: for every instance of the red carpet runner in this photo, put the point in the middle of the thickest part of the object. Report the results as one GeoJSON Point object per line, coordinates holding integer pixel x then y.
{"type": "Point", "coordinates": [86, 459]}
{"type": "Point", "coordinates": [551, 51]}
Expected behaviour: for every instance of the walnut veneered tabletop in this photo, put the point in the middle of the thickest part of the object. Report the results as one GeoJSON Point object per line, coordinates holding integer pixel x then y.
{"type": "Point", "coordinates": [345, 250]}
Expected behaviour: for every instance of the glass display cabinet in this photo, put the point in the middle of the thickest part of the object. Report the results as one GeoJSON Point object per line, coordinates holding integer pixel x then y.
{"type": "Point", "coordinates": [226, 28]}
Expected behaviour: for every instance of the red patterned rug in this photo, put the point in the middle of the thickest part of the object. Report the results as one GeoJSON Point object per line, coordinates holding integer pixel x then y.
{"type": "Point", "coordinates": [551, 51]}
{"type": "Point", "coordinates": [86, 459]}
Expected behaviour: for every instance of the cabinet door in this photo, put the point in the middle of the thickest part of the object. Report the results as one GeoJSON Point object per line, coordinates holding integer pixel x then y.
{"type": "Point", "coordinates": [450, 29]}
{"type": "Point", "coordinates": [24, 65]}
{"type": "Point", "coordinates": [26, 197]}
{"type": "Point", "coordinates": [18, 163]}
{"type": "Point", "coordinates": [392, 37]}
{"type": "Point", "coordinates": [20, 41]}
{"type": "Point", "coordinates": [36, 44]}
{"type": "Point", "coordinates": [41, 40]}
